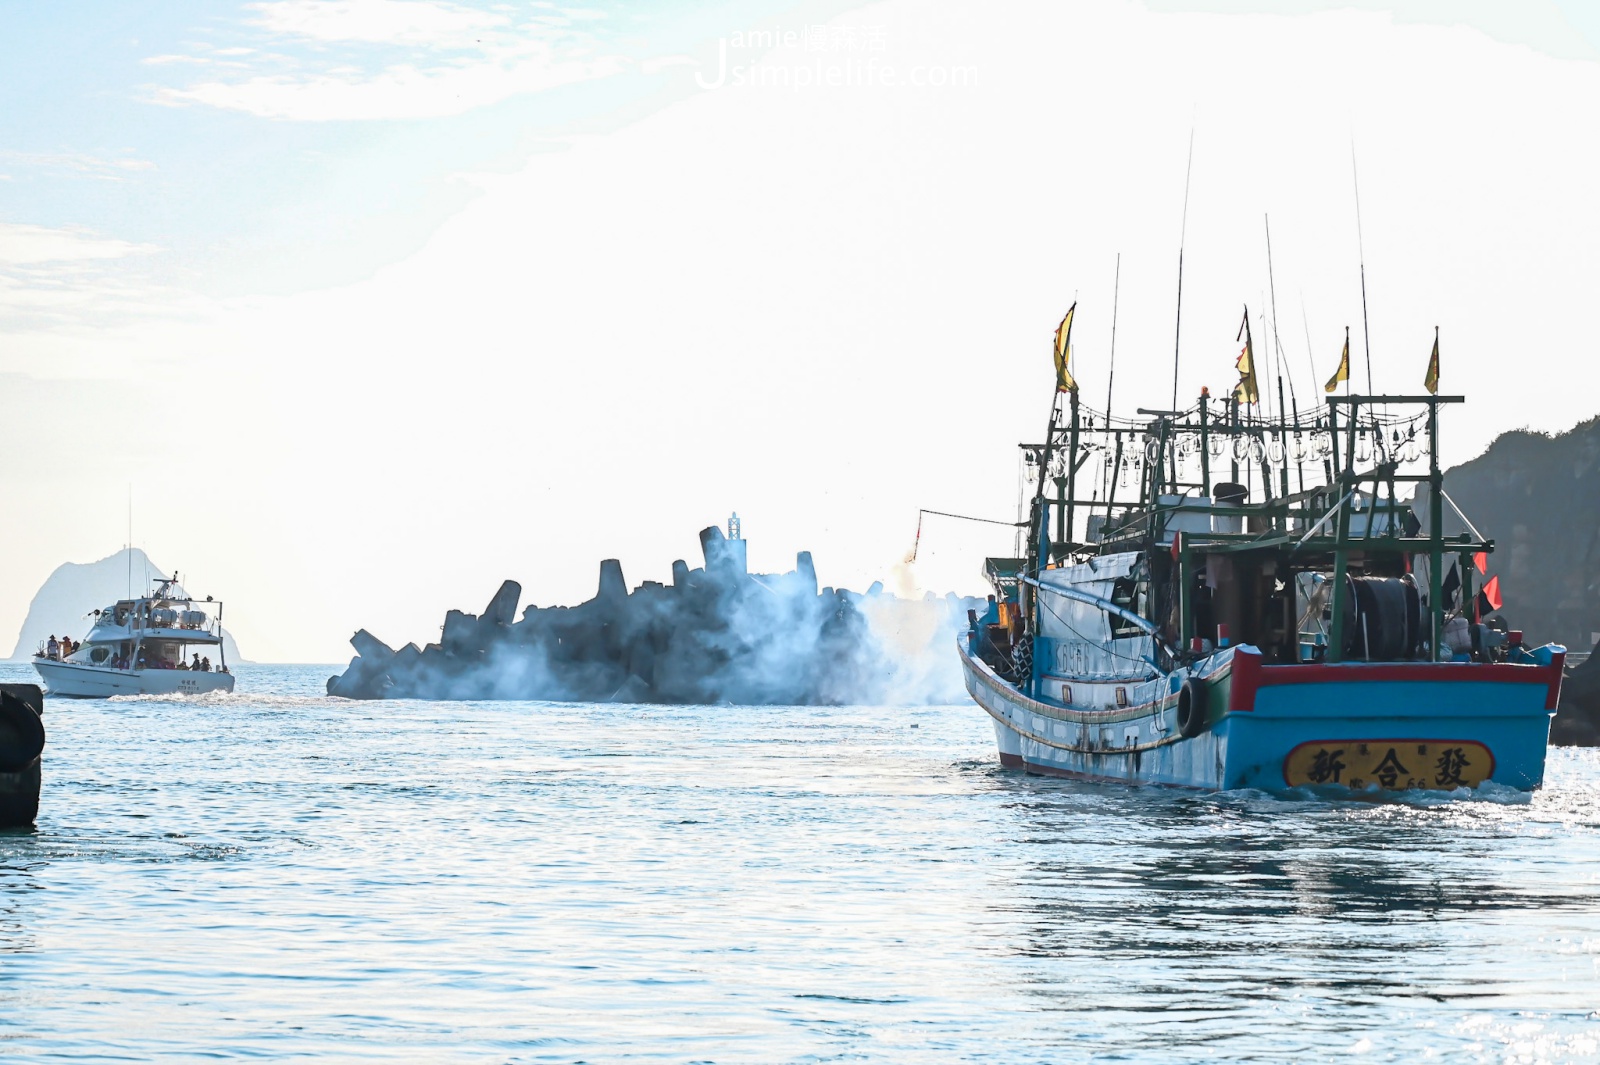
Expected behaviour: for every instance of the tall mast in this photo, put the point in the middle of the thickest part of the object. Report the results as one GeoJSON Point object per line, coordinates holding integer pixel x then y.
{"type": "Point", "coordinates": [1116, 290]}
{"type": "Point", "coordinates": [1366, 334]}
{"type": "Point", "coordinates": [1108, 481]}
{"type": "Point", "coordinates": [1311, 360]}
{"type": "Point", "coordinates": [1183, 231]}
{"type": "Point", "coordinates": [1272, 289]}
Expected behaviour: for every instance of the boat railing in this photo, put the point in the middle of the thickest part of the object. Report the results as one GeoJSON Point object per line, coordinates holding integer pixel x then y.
{"type": "Point", "coordinates": [1372, 519]}
{"type": "Point", "coordinates": [179, 621]}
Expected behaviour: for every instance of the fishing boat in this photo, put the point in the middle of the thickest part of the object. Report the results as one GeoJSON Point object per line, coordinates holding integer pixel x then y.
{"type": "Point", "coordinates": [1215, 597]}
{"type": "Point", "coordinates": [156, 644]}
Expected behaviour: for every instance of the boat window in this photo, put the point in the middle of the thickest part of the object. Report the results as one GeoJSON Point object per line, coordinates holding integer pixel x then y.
{"type": "Point", "coordinates": [1130, 595]}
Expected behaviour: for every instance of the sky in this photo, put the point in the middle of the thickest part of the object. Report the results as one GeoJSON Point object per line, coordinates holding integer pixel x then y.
{"type": "Point", "coordinates": [366, 305]}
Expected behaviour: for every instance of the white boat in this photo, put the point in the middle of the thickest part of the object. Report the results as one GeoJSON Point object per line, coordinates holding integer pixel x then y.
{"type": "Point", "coordinates": [158, 644]}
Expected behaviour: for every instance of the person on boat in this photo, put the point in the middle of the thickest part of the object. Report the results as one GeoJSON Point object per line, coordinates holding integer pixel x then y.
{"type": "Point", "coordinates": [205, 665]}
{"type": "Point", "coordinates": [52, 649]}
{"type": "Point", "coordinates": [196, 664]}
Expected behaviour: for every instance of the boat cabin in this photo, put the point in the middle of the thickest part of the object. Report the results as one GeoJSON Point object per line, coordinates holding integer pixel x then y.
{"type": "Point", "coordinates": [1317, 538]}
{"type": "Point", "coordinates": [163, 630]}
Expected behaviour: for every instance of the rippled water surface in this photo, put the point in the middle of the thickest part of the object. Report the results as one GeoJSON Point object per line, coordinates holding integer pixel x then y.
{"type": "Point", "coordinates": [275, 874]}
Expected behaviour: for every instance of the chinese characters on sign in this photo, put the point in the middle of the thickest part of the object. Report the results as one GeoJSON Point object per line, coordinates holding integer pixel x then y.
{"type": "Point", "coordinates": [1390, 770]}
{"type": "Point", "coordinates": [1394, 765]}
{"type": "Point", "coordinates": [1448, 769]}
{"type": "Point", "coordinates": [1326, 767]}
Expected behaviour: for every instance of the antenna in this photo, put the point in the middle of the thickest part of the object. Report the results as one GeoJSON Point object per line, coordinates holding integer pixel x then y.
{"type": "Point", "coordinates": [1071, 362]}
{"type": "Point", "coordinates": [1310, 361]}
{"type": "Point", "coordinates": [130, 540]}
{"type": "Point", "coordinates": [1366, 335]}
{"type": "Point", "coordinates": [1267, 406]}
{"type": "Point", "coordinates": [1183, 232]}
{"type": "Point", "coordinates": [1111, 376]}
{"type": "Point", "coordinates": [1272, 287]}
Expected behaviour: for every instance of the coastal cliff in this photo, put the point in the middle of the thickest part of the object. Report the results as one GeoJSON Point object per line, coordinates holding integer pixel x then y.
{"type": "Point", "coordinates": [1538, 498]}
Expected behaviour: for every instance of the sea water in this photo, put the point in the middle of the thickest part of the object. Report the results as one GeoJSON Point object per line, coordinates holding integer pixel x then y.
{"type": "Point", "coordinates": [279, 875]}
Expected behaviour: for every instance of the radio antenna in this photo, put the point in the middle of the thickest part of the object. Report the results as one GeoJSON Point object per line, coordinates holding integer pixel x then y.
{"type": "Point", "coordinates": [1183, 232]}
{"type": "Point", "coordinates": [1272, 286]}
{"type": "Point", "coordinates": [1366, 334]}
{"type": "Point", "coordinates": [1111, 375]}
{"type": "Point", "coordinates": [1310, 359]}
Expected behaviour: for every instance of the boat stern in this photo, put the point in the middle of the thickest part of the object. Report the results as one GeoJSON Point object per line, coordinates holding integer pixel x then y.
{"type": "Point", "coordinates": [1390, 726]}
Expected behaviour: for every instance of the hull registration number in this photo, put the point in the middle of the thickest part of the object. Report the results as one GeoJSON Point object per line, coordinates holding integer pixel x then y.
{"type": "Point", "coordinates": [1394, 765]}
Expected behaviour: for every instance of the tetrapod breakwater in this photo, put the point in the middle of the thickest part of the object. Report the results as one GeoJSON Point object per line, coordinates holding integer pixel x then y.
{"type": "Point", "coordinates": [715, 634]}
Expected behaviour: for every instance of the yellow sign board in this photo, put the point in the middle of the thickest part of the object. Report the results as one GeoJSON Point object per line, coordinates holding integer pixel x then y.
{"type": "Point", "coordinates": [1395, 765]}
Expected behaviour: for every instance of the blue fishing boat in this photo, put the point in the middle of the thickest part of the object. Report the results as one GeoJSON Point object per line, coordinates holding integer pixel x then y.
{"type": "Point", "coordinates": [1220, 597]}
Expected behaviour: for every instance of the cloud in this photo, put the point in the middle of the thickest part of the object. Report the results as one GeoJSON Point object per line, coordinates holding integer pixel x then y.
{"type": "Point", "coordinates": [359, 60]}
{"type": "Point", "coordinates": [415, 22]}
{"type": "Point", "coordinates": [107, 169]}
{"type": "Point", "coordinates": [33, 246]}
{"type": "Point", "coordinates": [172, 60]}
{"type": "Point", "coordinates": [397, 92]}
{"type": "Point", "coordinates": [59, 281]}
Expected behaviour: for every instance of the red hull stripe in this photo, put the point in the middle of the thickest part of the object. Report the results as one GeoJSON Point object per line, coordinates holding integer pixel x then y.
{"type": "Point", "coordinates": [1250, 675]}
{"type": "Point", "coordinates": [1013, 761]}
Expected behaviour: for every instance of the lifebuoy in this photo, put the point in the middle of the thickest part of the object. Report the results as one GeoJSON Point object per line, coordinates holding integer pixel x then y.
{"type": "Point", "coordinates": [1193, 702]}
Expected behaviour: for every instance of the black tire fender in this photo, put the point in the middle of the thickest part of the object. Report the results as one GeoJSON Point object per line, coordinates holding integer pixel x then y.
{"type": "Point", "coordinates": [21, 734]}
{"type": "Point", "coordinates": [1194, 702]}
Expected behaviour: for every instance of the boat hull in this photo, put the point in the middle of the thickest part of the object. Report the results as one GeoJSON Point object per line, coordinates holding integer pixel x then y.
{"type": "Point", "coordinates": [92, 682]}
{"type": "Point", "coordinates": [1355, 726]}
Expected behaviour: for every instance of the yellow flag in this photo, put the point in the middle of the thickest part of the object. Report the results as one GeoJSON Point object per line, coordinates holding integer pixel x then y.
{"type": "Point", "coordinates": [1246, 391]}
{"type": "Point", "coordinates": [1064, 381]}
{"type": "Point", "coordinates": [1431, 381]}
{"type": "Point", "coordinates": [1343, 372]}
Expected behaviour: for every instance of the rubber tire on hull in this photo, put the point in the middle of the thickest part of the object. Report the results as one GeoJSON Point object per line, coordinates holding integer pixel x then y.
{"type": "Point", "coordinates": [21, 743]}
{"type": "Point", "coordinates": [19, 796]}
{"type": "Point", "coordinates": [1193, 702]}
{"type": "Point", "coordinates": [21, 734]}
